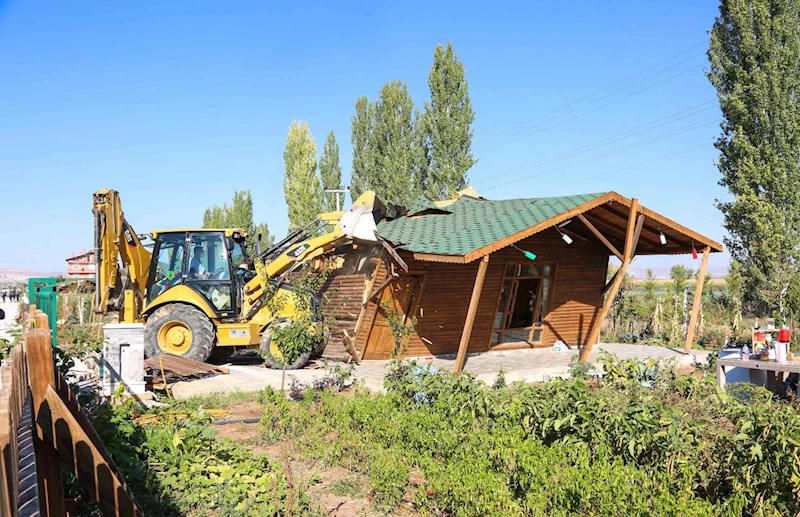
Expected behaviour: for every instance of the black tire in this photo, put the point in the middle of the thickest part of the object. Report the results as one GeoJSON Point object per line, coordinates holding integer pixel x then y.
{"type": "Point", "coordinates": [275, 362]}
{"type": "Point", "coordinates": [202, 331]}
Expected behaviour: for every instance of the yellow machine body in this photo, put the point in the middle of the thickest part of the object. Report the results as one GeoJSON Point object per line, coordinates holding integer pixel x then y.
{"type": "Point", "coordinates": [144, 286]}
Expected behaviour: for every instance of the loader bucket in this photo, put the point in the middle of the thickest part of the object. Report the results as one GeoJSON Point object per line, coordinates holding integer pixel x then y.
{"type": "Point", "coordinates": [361, 220]}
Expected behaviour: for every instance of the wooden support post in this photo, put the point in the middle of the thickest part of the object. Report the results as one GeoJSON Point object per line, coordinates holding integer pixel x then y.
{"type": "Point", "coordinates": [32, 309]}
{"type": "Point", "coordinates": [630, 249]}
{"type": "Point", "coordinates": [41, 321]}
{"type": "Point", "coordinates": [698, 295]}
{"type": "Point", "coordinates": [41, 371]}
{"type": "Point", "coordinates": [473, 308]}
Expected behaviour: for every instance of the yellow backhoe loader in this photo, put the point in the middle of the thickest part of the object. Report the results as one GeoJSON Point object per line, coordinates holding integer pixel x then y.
{"type": "Point", "coordinates": [198, 289]}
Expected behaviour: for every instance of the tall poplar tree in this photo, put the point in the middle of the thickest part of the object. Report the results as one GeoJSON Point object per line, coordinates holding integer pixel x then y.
{"type": "Point", "coordinates": [361, 134]}
{"type": "Point", "coordinates": [330, 172]}
{"type": "Point", "coordinates": [391, 144]}
{"type": "Point", "coordinates": [446, 125]}
{"type": "Point", "coordinates": [239, 214]}
{"type": "Point", "coordinates": [383, 145]}
{"type": "Point", "coordinates": [301, 185]}
{"type": "Point", "coordinates": [755, 67]}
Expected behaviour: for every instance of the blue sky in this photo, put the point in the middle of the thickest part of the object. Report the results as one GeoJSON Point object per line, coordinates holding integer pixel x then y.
{"type": "Point", "coordinates": [178, 105]}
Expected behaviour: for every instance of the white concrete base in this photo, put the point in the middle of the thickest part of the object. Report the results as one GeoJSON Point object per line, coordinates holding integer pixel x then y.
{"type": "Point", "coordinates": [123, 358]}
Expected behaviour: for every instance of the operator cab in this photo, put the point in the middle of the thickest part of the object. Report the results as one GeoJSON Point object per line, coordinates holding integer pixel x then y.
{"type": "Point", "coordinates": [210, 262]}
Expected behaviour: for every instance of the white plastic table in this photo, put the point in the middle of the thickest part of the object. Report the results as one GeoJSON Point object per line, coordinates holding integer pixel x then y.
{"type": "Point", "coordinates": [771, 367]}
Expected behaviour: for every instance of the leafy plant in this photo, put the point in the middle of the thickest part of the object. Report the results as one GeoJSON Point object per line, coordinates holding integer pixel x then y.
{"type": "Point", "coordinates": [579, 370]}
{"type": "Point", "coordinates": [402, 329]}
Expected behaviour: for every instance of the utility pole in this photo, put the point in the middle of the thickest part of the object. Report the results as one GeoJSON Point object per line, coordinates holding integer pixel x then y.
{"type": "Point", "coordinates": [342, 191]}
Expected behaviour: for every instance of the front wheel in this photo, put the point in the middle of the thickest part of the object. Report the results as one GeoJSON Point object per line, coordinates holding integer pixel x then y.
{"type": "Point", "coordinates": [273, 357]}
{"type": "Point", "coordinates": [179, 329]}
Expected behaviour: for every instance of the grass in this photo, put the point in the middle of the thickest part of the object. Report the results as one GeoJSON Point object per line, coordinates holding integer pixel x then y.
{"type": "Point", "coordinates": [215, 401]}
{"type": "Point", "coordinates": [348, 486]}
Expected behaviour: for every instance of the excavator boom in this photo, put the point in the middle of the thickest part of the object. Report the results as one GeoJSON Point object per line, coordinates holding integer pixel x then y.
{"type": "Point", "coordinates": [122, 261]}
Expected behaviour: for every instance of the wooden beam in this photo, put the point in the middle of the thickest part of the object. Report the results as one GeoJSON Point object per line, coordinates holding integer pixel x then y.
{"type": "Point", "coordinates": [432, 257]}
{"type": "Point", "coordinates": [629, 244]}
{"type": "Point", "coordinates": [610, 282]}
{"type": "Point", "coordinates": [378, 290]}
{"type": "Point", "coordinates": [600, 236]}
{"type": "Point", "coordinates": [636, 234]}
{"type": "Point", "coordinates": [473, 308]}
{"type": "Point", "coordinates": [393, 253]}
{"type": "Point", "coordinates": [698, 296]}
{"type": "Point", "coordinates": [630, 248]}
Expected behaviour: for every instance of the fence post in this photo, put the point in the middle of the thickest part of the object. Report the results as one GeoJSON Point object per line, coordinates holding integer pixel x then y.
{"type": "Point", "coordinates": [41, 371]}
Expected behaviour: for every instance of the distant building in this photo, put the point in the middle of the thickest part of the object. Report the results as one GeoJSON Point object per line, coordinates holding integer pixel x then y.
{"type": "Point", "coordinates": [81, 265]}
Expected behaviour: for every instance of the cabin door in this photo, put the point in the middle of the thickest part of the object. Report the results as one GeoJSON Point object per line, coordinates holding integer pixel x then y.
{"type": "Point", "coordinates": [399, 296]}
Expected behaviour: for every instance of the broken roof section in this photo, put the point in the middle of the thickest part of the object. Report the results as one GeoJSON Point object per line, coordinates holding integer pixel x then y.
{"type": "Point", "coordinates": [470, 227]}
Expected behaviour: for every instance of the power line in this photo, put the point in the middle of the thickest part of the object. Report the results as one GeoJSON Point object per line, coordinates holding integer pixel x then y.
{"type": "Point", "coordinates": [541, 129]}
{"type": "Point", "coordinates": [676, 132]}
{"type": "Point", "coordinates": [664, 157]}
{"type": "Point", "coordinates": [605, 141]}
{"type": "Point", "coordinates": [495, 136]}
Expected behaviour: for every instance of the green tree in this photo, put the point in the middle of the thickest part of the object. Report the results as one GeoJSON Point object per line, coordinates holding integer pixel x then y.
{"type": "Point", "coordinates": [301, 185]}
{"type": "Point", "coordinates": [330, 172]}
{"type": "Point", "coordinates": [239, 214]}
{"type": "Point", "coordinates": [649, 285]}
{"type": "Point", "coordinates": [447, 125]}
{"type": "Point", "coordinates": [383, 145]}
{"type": "Point", "coordinates": [754, 55]}
{"type": "Point", "coordinates": [680, 275]}
{"type": "Point", "coordinates": [361, 133]}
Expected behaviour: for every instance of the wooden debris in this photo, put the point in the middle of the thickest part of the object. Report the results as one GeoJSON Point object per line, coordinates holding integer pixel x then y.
{"type": "Point", "coordinates": [181, 368]}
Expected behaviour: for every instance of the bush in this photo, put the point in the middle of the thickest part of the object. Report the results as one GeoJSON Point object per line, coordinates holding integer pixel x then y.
{"type": "Point", "coordinates": [678, 447]}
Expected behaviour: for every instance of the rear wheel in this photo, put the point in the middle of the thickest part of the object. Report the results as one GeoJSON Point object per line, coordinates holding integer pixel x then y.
{"type": "Point", "coordinates": [273, 357]}
{"type": "Point", "coordinates": [179, 329]}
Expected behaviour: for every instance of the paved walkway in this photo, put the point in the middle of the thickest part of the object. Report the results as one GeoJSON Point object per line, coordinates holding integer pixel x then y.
{"type": "Point", "coordinates": [10, 322]}
{"type": "Point", "coordinates": [518, 365]}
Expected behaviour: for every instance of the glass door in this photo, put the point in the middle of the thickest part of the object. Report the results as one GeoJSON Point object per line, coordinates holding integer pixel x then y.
{"type": "Point", "coordinates": [522, 306]}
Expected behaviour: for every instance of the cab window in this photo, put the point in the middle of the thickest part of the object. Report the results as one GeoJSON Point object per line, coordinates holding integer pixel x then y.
{"type": "Point", "coordinates": [238, 256]}
{"type": "Point", "coordinates": [209, 258]}
{"type": "Point", "coordinates": [169, 266]}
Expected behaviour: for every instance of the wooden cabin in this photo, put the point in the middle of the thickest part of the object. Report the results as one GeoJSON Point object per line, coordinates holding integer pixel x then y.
{"type": "Point", "coordinates": [463, 270]}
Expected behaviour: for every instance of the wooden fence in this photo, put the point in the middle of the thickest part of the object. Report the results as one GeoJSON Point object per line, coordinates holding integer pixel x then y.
{"type": "Point", "coordinates": [41, 426]}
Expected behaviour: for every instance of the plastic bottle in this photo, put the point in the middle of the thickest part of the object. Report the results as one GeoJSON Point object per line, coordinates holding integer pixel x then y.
{"type": "Point", "coordinates": [745, 353]}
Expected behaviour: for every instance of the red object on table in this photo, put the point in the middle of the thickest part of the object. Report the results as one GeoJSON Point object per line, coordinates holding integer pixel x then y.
{"type": "Point", "coordinates": [784, 336]}
{"type": "Point", "coordinates": [759, 337]}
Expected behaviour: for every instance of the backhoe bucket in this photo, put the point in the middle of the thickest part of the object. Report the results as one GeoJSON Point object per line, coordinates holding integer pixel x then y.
{"type": "Point", "coordinates": [361, 220]}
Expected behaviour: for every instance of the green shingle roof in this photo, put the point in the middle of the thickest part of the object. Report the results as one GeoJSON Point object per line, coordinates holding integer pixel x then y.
{"type": "Point", "coordinates": [425, 204]}
{"type": "Point", "coordinates": [474, 223]}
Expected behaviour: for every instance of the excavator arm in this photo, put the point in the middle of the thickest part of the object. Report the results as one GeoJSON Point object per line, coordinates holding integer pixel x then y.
{"type": "Point", "coordinates": [123, 263]}
{"type": "Point", "coordinates": [359, 223]}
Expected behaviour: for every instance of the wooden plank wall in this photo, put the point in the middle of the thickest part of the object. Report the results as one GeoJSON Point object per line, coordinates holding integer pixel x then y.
{"type": "Point", "coordinates": [576, 297]}
{"type": "Point", "coordinates": [342, 299]}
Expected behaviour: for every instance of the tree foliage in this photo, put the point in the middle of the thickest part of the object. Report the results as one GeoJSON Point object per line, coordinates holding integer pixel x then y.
{"type": "Point", "coordinates": [301, 184]}
{"type": "Point", "coordinates": [755, 61]}
{"type": "Point", "coordinates": [239, 214]}
{"type": "Point", "coordinates": [447, 125]}
{"type": "Point", "coordinates": [330, 172]}
{"type": "Point", "coordinates": [400, 152]}
{"type": "Point", "coordinates": [383, 141]}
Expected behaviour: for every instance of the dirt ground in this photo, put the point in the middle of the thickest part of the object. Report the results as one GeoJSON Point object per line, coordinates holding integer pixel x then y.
{"type": "Point", "coordinates": [336, 490]}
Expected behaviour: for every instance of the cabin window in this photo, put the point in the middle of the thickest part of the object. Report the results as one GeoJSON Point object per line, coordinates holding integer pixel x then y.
{"type": "Point", "coordinates": [523, 303]}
